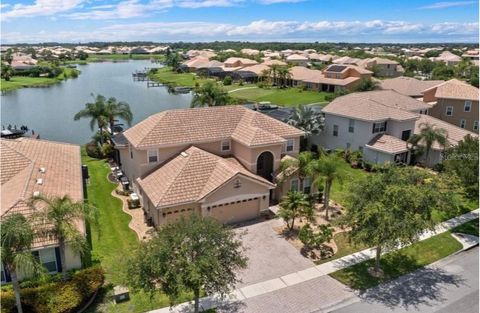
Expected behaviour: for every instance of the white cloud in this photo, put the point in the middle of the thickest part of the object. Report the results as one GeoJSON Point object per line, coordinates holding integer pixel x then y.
{"type": "Point", "coordinates": [41, 8]}
{"type": "Point", "coordinates": [279, 1]}
{"type": "Point", "coordinates": [448, 4]}
{"type": "Point", "coordinates": [263, 30]}
{"type": "Point", "coordinates": [194, 4]}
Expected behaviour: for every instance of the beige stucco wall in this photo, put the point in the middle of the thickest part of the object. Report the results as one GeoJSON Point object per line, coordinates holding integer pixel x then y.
{"type": "Point", "coordinates": [283, 187]}
{"type": "Point", "coordinates": [440, 111]}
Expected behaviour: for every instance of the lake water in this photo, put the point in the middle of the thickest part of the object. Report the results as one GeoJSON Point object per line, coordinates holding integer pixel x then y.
{"type": "Point", "coordinates": [49, 111]}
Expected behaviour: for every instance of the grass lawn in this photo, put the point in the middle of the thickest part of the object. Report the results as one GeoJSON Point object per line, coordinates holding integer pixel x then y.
{"type": "Point", "coordinates": [340, 190]}
{"type": "Point", "coordinates": [114, 57]}
{"type": "Point", "coordinates": [470, 228]}
{"type": "Point", "coordinates": [17, 82]}
{"type": "Point", "coordinates": [344, 247]}
{"type": "Point", "coordinates": [285, 97]}
{"type": "Point", "coordinates": [398, 263]}
{"type": "Point", "coordinates": [114, 244]}
{"type": "Point", "coordinates": [467, 206]}
{"type": "Point", "coordinates": [166, 76]}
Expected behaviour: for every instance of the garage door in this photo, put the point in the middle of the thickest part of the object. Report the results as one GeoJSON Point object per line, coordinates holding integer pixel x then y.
{"type": "Point", "coordinates": [234, 212]}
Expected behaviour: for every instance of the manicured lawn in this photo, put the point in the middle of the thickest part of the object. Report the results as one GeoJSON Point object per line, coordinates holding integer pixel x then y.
{"type": "Point", "coordinates": [285, 97]}
{"type": "Point", "coordinates": [166, 76]}
{"type": "Point", "coordinates": [470, 228]}
{"type": "Point", "coordinates": [114, 244]}
{"type": "Point", "coordinates": [17, 82]}
{"type": "Point", "coordinates": [398, 263]}
{"type": "Point", "coordinates": [344, 247]}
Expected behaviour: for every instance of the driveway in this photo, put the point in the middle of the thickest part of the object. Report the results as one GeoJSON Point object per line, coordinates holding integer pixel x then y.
{"type": "Point", "coordinates": [269, 254]}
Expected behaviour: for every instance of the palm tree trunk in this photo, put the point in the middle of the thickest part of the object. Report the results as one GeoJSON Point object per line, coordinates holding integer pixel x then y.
{"type": "Point", "coordinates": [427, 152]}
{"type": "Point", "coordinates": [16, 289]}
{"type": "Point", "coordinates": [300, 183]}
{"type": "Point", "coordinates": [62, 248]}
{"type": "Point", "coordinates": [100, 128]}
{"type": "Point", "coordinates": [327, 197]}
{"type": "Point", "coordinates": [378, 252]}
{"type": "Point", "coordinates": [293, 223]}
{"type": "Point", "coordinates": [197, 300]}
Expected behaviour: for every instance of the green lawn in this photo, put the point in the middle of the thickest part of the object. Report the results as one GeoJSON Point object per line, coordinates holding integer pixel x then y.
{"type": "Point", "coordinates": [398, 263]}
{"type": "Point", "coordinates": [17, 82]}
{"type": "Point", "coordinates": [114, 244]}
{"type": "Point", "coordinates": [344, 247]}
{"type": "Point", "coordinates": [119, 57]}
{"type": "Point", "coordinates": [166, 76]}
{"type": "Point", "coordinates": [340, 189]}
{"type": "Point", "coordinates": [470, 228]}
{"type": "Point", "coordinates": [285, 97]}
{"type": "Point", "coordinates": [467, 206]}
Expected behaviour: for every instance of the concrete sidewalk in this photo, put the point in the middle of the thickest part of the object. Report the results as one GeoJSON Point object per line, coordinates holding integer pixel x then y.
{"type": "Point", "coordinates": [295, 278]}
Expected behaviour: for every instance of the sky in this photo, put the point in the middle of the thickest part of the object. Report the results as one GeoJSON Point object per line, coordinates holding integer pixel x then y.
{"type": "Point", "coordinates": [388, 21]}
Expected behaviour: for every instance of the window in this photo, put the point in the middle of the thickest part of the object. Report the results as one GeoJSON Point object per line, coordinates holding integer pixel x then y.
{"type": "Point", "coordinates": [48, 259]}
{"type": "Point", "coordinates": [294, 185]}
{"type": "Point", "coordinates": [468, 106]}
{"type": "Point", "coordinates": [306, 185]}
{"type": "Point", "coordinates": [463, 123]}
{"type": "Point", "coordinates": [379, 127]}
{"type": "Point", "coordinates": [406, 134]}
{"type": "Point", "coordinates": [348, 145]}
{"type": "Point", "coordinates": [290, 143]}
{"type": "Point", "coordinates": [226, 145]}
{"type": "Point", "coordinates": [153, 156]}
{"type": "Point", "coordinates": [335, 130]}
{"type": "Point", "coordinates": [475, 125]}
{"type": "Point", "coordinates": [449, 111]}
{"type": "Point", "coordinates": [351, 125]}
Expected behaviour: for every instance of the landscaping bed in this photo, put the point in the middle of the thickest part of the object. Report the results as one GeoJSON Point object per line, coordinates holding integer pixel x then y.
{"type": "Point", "coordinates": [400, 262]}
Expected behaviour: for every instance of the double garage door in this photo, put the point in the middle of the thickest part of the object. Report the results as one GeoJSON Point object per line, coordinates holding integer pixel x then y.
{"type": "Point", "coordinates": [235, 212]}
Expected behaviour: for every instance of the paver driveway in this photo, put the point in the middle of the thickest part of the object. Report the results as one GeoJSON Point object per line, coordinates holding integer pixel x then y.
{"type": "Point", "coordinates": [269, 254]}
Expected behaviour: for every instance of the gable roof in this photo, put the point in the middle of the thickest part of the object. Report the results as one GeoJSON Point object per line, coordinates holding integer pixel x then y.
{"type": "Point", "coordinates": [376, 106]}
{"type": "Point", "coordinates": [191, 176]}
{"type": "Point", "coordinates": [388, 144]}
{"type": "Point", "coordinates": [190, 126]}
{"type": "Point", "coordinates": [455, 89]}
{"type": "Point", "coordinates": [409, 86]}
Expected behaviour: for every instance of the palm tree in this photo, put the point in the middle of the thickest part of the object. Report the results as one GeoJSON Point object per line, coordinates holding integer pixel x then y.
{"type": "Point", "coordinates": [266, 76]}
{"type": "Point", "coordinates": [209, 94]}
{"type": "Point", "coordinates": [308, 120]}
{"type": "Point", "coordinates": [274, 68]}
{"type": "Point", "coordinates": [97, 113]}
{"type": "Point", "coordinates": [17, 238]}
{"type": "Point", "coordinates": [294, 205]}
{"type": "Point", "coordinates": [59, 217]}
{"type": "Point", "coordinates": [120, 109]}
{"type": "Point", "coordinates": [301, 165]}
{"type": "Point", "coordinates": [326, 170]}
{"type": "Point", "coordinates": [425, 139]}
{"type": "Point", "coordinates": [284, 74]}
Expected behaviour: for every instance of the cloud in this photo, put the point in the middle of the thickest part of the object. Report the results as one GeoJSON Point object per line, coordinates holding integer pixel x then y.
{"type": "Point", "coordinates": [448, 4]}
{"type": "Point", "coordinates": [279, 1]}
{"type": "Point", "coordinates": [41, 8]}
{"type": "Point", "coordinates": [194, 4]}
{"type": "Point", "coordinates": [265, 30]}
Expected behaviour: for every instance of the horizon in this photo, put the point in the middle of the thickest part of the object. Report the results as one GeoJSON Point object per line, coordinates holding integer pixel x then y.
{"type": "Point", "coordinates": [289, 21]}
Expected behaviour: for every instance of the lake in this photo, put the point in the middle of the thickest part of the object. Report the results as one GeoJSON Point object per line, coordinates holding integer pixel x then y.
{"type": "Point", "coordinates": [49, 111]}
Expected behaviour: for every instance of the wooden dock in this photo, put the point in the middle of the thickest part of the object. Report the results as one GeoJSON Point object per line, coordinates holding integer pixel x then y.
{"type": "Point", "coordinates": [151, 83]}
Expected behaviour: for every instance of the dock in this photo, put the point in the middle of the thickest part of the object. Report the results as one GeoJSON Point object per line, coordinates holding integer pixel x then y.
{"type": "Point", "coordinates": [151, 83]}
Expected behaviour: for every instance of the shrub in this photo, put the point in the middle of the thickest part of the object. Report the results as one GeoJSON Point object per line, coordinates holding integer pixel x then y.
{"type": "Point", "coordinates": [367, 166]}
{"type": "Point", "coordinates": [57, 297]}
{"type": "Point", "coordinates": [227, 81]}
{"type": "Point", "coordinates": [313, 239]}
{"type": "Point", "coordinates": [107, 150]}
{"type": "Point", "coordinates": [93, 150]}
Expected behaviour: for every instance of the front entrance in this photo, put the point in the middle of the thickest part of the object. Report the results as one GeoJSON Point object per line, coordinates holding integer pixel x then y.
{"type": "Point", "coordinates": [265, 165]}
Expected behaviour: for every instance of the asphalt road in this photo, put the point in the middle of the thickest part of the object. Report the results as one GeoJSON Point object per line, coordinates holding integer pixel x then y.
{"type": "Point", "coordinates": [451, 285]}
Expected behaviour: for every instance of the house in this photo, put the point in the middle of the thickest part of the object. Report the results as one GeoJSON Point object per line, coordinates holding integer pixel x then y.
{"type": "Point", "coordinates": [379, 123]}
{"type": "Point", "coordinates": [215, 161]}
{"type": "Point", "coordinates": [297, 59]}
{"type": "Point", "coordinates": [38, 167]}
{"type": "Point", "coordinates": [250, 52]}
{"type": "Point", "coordinates": [250, 73]}
{"type": "Point", "coordinates": [234, 62]}
{"type": "Point", "coordinates": [455, 102]}
{"type": "Point", "coordinates": [384, 67]}
{"type": "Point", "coordinates": [195, 63]}
{"type": "Point", "coordinates": [448, 58]}
{"type": "Point", "coordinates": [271, 62]}
{"type": "Point", "coordinates": [408, 86]}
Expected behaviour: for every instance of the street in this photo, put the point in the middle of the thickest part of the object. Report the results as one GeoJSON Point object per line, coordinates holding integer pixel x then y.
{"type": "Point", "coordinates": [449, 286]}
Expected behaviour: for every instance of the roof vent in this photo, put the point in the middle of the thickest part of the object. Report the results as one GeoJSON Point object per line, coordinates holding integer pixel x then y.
{"type": "Point", "coordinates": [39, 181]}
{"type": "Point", "coordinates": [184, 154]}
{"type": "Point", "coordinates": [42, 170]}
{"type": "Point", "coordinates": [36, 193]}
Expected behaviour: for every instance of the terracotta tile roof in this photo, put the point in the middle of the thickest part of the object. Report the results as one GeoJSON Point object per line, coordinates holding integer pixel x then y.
{"type": "Point", "coordinates": [409, 86]}
{"type": "Point", "coordinates": [241, 62]}
{"type": "Point", "coordinates": [304, 74]}
{"type": "Point", "coordinates": [22, 160]}
{"type": "Point", "coordinates": [454, 133]}
{"type": "Point", "coordinates": [388, 144]}
{"type": "Point", "coordinates": [376, 106]}
{"type": "Point", "coordinates": [191, 176]}
{"type": "Point", "coordinates": [455, 89]}
{"type": "Point", "coordinates": [257, 69]}
{"type": "Point", "coordinates": [274, 62]}
{"type": "Point", "coordinates": [190, 126]}
{"type": "Point", "coordinates": [297, 57]}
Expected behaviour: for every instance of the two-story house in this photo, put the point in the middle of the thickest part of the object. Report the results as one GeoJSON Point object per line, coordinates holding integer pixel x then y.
{"type": "Point", "coordinates": [379, 123]}
{"type": "Point", "coordinates": [31, 167]}
{"type": "Point", "coordinates": [455, 102]}
{"type": "Point", "coordinates": [216, 161]}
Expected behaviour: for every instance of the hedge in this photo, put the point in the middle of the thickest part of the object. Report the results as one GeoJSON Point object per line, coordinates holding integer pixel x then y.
{"type": "Point", "coordinates": [57, 297]}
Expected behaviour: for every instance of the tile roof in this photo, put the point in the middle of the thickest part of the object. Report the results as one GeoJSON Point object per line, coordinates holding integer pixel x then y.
{"type": "Point", "coordinates": [455, 89]}
{"type": "Point", "coordinates": [304, 74]}
{"type": "Point", "coordinates": [257, 68]}
{"type": "Point", "coordinates": [191, 176]}
{"type": "Point", "coordinates": [408, 86]}
{"type": "Point", "coordinates": [388, 144]}
{"type": "Point", "coordinates": [376, 106]}
{"type": "Point", "coordinates": [454, 133]}
{"type": "Point", "coordinates": [21, 160]}
{"type": "Point", "coordinates": [190, 126]}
